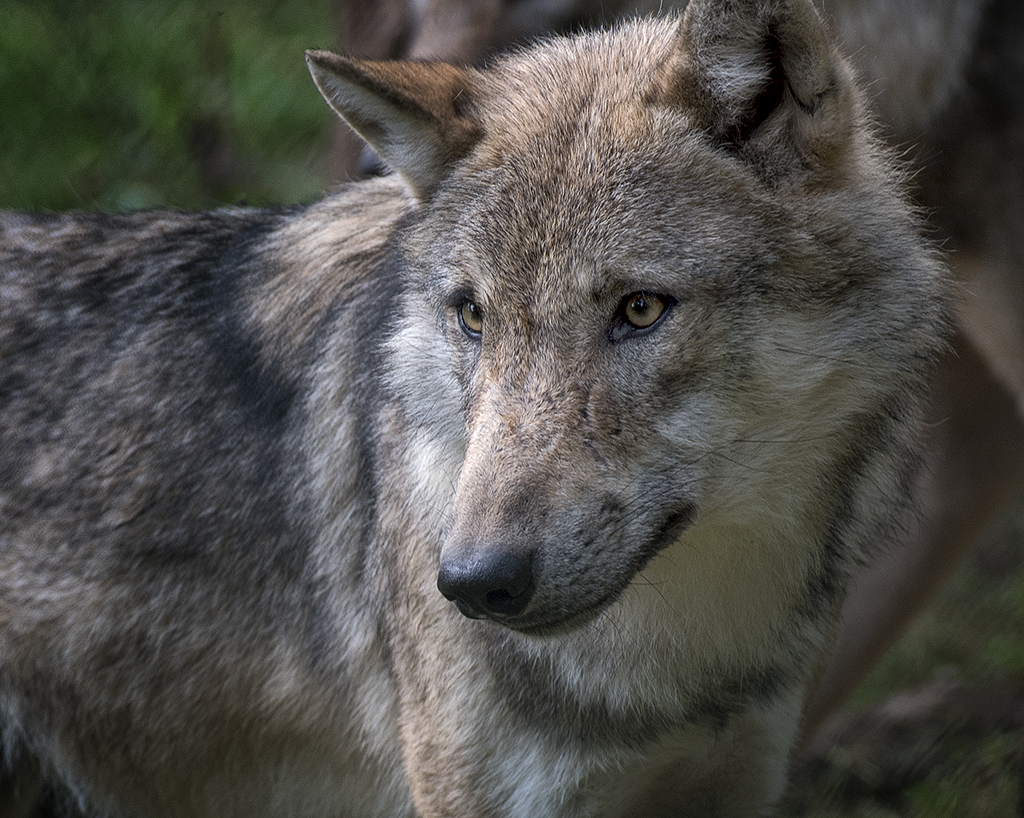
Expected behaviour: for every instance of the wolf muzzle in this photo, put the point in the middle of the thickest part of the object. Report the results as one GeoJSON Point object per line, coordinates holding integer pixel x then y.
{"type": "Point", "coordinates": [493, 582]}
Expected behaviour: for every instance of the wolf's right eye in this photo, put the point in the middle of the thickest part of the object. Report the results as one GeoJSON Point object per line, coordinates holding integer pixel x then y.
{"type": "Point", "coordinates": [471, 319]}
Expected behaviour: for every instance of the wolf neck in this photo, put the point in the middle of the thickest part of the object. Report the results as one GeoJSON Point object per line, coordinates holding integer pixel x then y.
{"type": "Point", "coordinates": [709, 619]}
{"type": "Point", "coordinates": [726, 589]}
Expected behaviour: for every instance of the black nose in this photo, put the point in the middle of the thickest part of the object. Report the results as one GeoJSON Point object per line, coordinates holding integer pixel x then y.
{"type": "Point", "coordinates": [492, 582]}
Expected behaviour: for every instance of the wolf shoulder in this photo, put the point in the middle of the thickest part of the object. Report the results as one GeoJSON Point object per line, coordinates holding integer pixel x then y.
{"type": "Point", "coordinates": [153, 362]}
{"type": "Point", "coordinates": [88, 275]}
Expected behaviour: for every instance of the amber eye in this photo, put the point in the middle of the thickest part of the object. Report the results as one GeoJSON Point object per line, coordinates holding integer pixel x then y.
{"type": "Point", "coordinates": [471, 319]}
{"type": "Point", "coordinates": [641, 310]}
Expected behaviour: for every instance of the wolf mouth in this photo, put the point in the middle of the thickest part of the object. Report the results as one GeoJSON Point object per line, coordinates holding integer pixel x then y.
{"type": "Point", "coordinates": [562, 626]}
{"type": "Point", "coordinates": [666, 534]}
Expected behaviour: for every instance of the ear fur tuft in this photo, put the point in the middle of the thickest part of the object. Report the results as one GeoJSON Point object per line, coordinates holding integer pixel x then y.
{"type": "Point", "coordinates": [761, 78]}
{"type": "Point", "coordinates": [414, 114]}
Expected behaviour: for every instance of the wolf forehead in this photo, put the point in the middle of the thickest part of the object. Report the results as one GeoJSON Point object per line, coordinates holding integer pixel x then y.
{"type": "Point", "coordinates": [593, 231]}
{"type": "Point", "coordinates": [583, 167]}
{"type": "Point", "coordinates": [564, 89]}
{"type": "Point", "coordinates": [584, 117]}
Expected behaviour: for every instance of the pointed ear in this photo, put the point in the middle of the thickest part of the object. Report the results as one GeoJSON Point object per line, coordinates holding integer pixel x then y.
{"type": "Point", "coordinates": [762, 78]}
{"type": "Point", "coordinates": [415, 115]}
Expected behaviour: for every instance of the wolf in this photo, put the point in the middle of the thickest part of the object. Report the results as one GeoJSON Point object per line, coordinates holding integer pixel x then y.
{"type": "Point", "coordinates": [943, 79]}
{"type": "Point", "coordinates": [526, 481]}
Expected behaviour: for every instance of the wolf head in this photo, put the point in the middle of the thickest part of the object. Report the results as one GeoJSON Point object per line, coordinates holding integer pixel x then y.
{"type": "Point", "coordinates": [662, 304]}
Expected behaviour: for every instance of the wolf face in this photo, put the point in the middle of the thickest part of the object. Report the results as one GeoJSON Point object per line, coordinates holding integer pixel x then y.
{"type": "Point", "coordinates": [638, 268]}
{"type": "Point", "coordinates": [590, 360]}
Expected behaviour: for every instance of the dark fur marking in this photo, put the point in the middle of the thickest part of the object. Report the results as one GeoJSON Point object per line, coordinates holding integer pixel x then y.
{"type": "Point", "coordinates": [767, 100]}
{"type": "Point", "coordinates": [387, 294]}
{"type": "Point", "coordinates": [541, 700]}
{"type": "Point", "coordinates": [826, 584]}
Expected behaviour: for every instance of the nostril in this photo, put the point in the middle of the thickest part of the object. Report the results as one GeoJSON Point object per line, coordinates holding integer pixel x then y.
{"type": "Point", "coordinates": [493, 583]}
{"type": "Point", "coordinates": [506, 602]}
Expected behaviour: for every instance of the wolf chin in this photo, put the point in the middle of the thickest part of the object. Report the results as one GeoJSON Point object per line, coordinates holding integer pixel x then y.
{"type": "Point", "coordinates": [524, 482]}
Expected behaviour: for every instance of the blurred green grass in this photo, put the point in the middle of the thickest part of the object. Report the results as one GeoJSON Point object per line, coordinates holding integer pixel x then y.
{"type": "Point", "coordinates": [121, 105]}
{"type": "Point", "coordinates": [943, 763]}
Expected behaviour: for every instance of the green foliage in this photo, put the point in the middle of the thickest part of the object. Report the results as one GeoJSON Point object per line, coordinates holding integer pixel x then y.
{"type": "Point", "coordinates": [974, 627]}
{"type": "Point", "coordinates": [951, 767]}
{"type": "Point", "coordinates": [981, 782]}
{"type": "Point", "coordinates": [118, 105]}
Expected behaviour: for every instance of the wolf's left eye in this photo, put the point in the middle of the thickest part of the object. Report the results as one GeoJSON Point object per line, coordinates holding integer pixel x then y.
{"type": "Point", "coordinates": [641, 310]}
{"type": "Point", "coordinates": [471, 319]}
{"type": "Point", "coordinates": [637, 313]}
